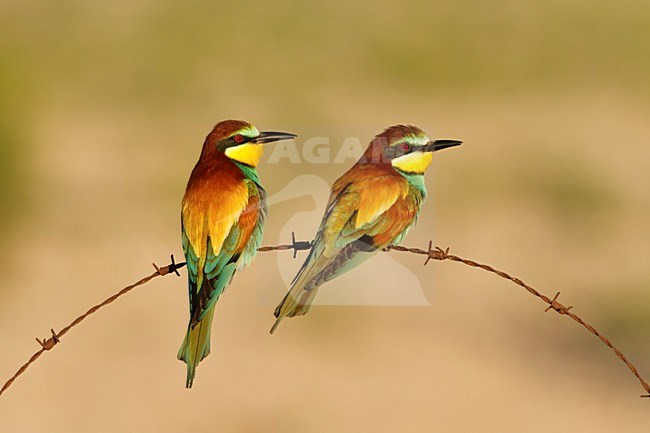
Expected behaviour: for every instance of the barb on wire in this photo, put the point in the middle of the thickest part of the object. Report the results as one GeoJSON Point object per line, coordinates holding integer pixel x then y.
{"type": "Point", "coordinates": [294, 245]}
{"type": "Point", "coordinates": [440, 254]}
{"type": "Point", "coordinates": [48, 344]}
{"type": "Point", "coordinates": [431, 253]}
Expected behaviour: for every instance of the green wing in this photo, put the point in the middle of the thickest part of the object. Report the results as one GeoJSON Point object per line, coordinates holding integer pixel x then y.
{"type": "Point", "coordinates": [208, 278]}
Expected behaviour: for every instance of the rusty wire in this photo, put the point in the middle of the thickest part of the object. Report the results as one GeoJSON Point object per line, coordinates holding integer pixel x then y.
{"type": "Point", "coordinates": [431, 253]}
{"type": "Point", "coordinates": [553, 304]}
{"type": "Point", "coordinates": [48, 344]}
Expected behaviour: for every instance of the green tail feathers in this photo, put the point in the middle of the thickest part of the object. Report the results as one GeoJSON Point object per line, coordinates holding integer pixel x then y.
{"type": "Point", "coordinates": [196, 345]}
{"type": "Point", "coordinates": [295, 303]}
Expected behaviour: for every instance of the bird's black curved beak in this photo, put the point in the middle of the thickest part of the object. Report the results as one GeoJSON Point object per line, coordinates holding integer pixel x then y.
{"type": "Point", "coordinates": [270, 136]}
{"type": "Point", "coordinates": [434, 146]}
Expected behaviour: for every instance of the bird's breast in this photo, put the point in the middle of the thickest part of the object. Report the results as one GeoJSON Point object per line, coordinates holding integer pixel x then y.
{"type": "Point", "coordinates": [214, 200]}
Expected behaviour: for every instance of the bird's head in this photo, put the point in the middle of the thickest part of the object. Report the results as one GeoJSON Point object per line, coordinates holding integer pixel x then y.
{"type": "Point", "coordinates": [240, 141]}
{"type": "Point", "coordinates": [407, 148]}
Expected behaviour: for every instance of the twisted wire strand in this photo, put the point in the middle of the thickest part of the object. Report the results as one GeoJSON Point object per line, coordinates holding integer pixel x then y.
{"type": "Point", "coordinates": [553, 304]}
{"type": "Point", "coordinates": [431, 253]}
{"type": "Point", "coordinates": [48, 344]}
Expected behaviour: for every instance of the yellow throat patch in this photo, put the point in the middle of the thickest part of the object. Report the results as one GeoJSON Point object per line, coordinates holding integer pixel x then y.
{"type": "Point", "coordinates": [415, 162]}
{"type": "Point", "coordinates": [247, 153]}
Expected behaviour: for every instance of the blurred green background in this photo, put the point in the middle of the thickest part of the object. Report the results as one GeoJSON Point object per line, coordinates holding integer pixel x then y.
{"type": "Point", "coordinates": [103, 110]}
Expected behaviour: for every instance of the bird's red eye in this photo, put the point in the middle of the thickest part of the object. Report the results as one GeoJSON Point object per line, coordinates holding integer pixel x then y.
{"type": "Point", "coordinates": [238, 138]}
{"type": "Point", "coordinates": [405, 147]}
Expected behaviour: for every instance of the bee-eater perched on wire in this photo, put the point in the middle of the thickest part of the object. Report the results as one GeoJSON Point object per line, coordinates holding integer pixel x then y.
{"type": "Point", "coordinates": [372, 206]}
{"type": "Point", "coordinates": [222, 221]}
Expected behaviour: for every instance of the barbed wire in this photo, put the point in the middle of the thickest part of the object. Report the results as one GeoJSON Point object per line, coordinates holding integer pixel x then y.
{"type": "Point", "coordinates": [432, 253]}
{"type": "Point", "coordinates": [48, 344]}
{"type": "Point", "coordinates": [438, 253]}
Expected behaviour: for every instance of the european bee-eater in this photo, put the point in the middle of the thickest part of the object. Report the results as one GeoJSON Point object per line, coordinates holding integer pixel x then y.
{"type": "Point", "coordinates": [373, 205]}
{"type": "Point", "coordinates": [222, 221]}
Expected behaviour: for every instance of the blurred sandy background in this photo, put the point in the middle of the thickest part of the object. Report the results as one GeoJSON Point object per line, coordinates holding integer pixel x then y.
{"type": "Point", "coordinates": [103, 110]}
